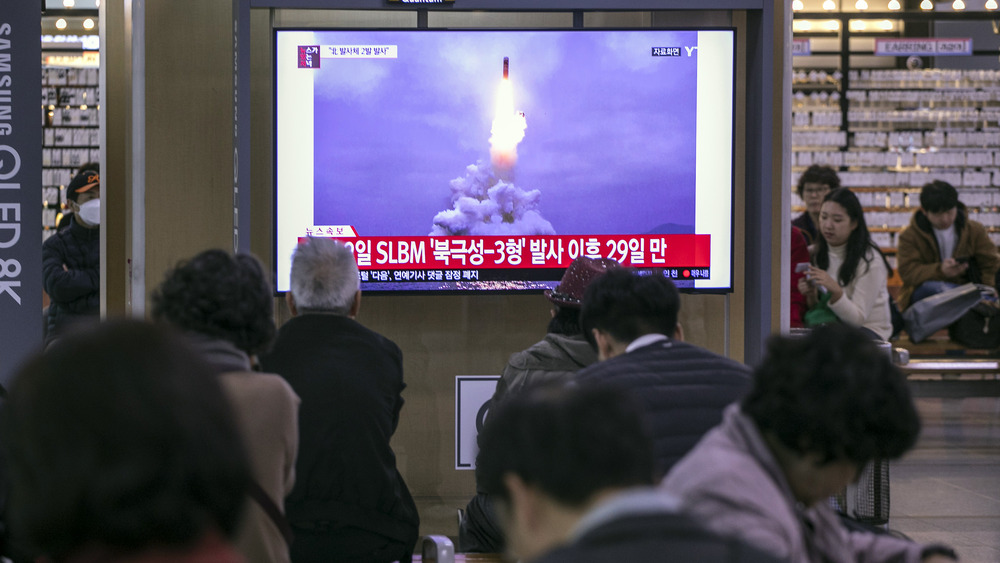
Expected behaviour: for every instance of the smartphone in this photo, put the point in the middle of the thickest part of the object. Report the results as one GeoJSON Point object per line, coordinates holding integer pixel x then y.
{"type": "Point", "coordinates": [962, 259]}
{"type": "Point", "coordinates": [802, 267]}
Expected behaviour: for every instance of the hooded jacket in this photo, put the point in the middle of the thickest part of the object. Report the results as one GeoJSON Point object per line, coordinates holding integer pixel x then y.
{"type": "Point", "coordinates": [554, 358]}
{"type": "Point", "coordinates": [919, 258]}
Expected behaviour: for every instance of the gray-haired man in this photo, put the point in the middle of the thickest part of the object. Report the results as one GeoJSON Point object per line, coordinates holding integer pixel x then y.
{"type": "Point", "coordinates": [349, 501]}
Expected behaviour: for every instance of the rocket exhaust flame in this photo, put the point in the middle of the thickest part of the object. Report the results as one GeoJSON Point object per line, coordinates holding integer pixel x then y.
{"type": "Point", "coordinates": [508, 127]}
{"type": "Point", "coordinates": [485, 201]}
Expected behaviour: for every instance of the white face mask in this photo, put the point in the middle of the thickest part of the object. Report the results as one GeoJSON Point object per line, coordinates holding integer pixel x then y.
{"type": "Point", "coordinates": [90, 212]}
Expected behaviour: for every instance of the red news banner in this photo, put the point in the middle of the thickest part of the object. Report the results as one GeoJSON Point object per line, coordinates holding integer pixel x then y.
{"type": "Point", "coordinates": [538, 251]}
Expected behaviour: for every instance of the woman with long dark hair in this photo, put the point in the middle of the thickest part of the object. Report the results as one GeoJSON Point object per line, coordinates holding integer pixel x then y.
{"type": "Point", "coordinates": [849, 267]}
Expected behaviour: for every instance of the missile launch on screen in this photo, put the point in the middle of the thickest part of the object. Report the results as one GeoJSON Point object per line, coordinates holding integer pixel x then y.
{"type": "Point", "coordinates": [506, 66]}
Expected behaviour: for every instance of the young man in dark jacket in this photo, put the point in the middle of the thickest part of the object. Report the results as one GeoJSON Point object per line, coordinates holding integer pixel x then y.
{"type": "Point", "coordinates": [71, 258]}
{"type": "Point", "coordinates": [632, 320]}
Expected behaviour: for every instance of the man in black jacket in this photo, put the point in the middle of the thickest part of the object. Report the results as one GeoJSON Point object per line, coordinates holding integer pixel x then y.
{"type": "Point", "coordinates": [572, 469]}
{"type": "Point", "coordinates": [71, 258]}
{"type": "Point", "coordinates": [632, 322]}
{"type": "Point", "coordinates": [349, 502]}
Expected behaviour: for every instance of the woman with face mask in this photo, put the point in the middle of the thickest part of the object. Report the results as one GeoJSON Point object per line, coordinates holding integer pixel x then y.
{"type": "Point", "coordinates": [849, 272]}
{"type": "Point", "coordinates": [71, 258]}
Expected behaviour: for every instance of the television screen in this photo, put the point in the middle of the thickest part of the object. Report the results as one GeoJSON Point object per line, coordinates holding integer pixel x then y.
{"type": "Point", "coordinates": [455, 160]}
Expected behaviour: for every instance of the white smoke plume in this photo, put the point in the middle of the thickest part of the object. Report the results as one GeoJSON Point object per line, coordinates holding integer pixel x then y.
{"type": "Point", "coordinates": [483, 204]}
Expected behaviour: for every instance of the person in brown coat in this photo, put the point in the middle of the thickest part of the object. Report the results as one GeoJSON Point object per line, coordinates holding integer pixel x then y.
{"type": "Point", "coordinates": [223, 303]}
{"type": "Point", "coordinates": [943, 248]}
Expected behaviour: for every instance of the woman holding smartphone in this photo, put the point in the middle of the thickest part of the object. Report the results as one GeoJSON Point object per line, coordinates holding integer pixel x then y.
{"type": "Point", "coordinates": [849, 271]}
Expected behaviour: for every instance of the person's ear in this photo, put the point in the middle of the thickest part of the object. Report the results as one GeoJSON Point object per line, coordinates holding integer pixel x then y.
{"type": "Point", "coordinates": [73, 206]}
{"type": "Point", "coordinates": [355, 305]}
{"type": "Point", "coordinates": [605, 346]}
{"type": "Point", "coordinates": [523, 506]}
{"type": "Point", "coordinates": [290, 301]}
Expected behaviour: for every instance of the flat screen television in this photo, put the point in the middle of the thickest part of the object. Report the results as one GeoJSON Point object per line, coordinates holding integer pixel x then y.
{"type": "Point", "coordinates": [487, 160]}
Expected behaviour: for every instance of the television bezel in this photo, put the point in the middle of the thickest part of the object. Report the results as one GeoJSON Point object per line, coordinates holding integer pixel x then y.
{"type": "Point", "coordinates": [275, 31]}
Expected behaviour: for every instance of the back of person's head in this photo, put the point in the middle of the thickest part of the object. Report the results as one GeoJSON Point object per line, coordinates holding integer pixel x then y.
{"type": "Point", "coordinates": [833, 392]}
{"type": "Point", "coordinates": [120, 438]}
{"type": "Point", "coordinates": [324, 276]}
{"type": "Point", "coordinates": [627, 305]}
{"type": "Point", "coordinates": [565, 321]}
{"type": "Point", "coordinates": [938, 196]}
{"type": "Point", "coordinates": [818, 174]}
{"type": "Point", "coordinates": [219, 295]}
{"type": "Point", "coordinates": [568, 442]}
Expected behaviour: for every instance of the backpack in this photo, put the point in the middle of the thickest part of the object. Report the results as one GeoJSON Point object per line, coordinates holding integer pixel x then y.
{"type": "Point", "coordinates": [979, 327]}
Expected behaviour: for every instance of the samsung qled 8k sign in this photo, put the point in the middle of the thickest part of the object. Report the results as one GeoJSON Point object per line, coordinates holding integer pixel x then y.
{"type": "Point", "coordinates": [489, 160]}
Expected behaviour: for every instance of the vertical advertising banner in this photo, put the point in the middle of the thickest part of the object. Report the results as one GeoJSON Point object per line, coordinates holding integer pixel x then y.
{"type": "Point", "coordinates": [20, 183]}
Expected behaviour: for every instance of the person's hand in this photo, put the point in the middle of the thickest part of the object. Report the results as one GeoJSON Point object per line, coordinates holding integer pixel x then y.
{"type": "Point", "coordinates": [65, 268]}
{"type": "Point", "coordinates": [820, 278]}
{"type": "Point", "coordinates": [953, 268]}
{"type": "Point", "coordinates": [806, 288]}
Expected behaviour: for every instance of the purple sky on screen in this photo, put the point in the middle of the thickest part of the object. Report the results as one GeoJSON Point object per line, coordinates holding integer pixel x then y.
{"type": "Point", "coordinates": [609, 143]}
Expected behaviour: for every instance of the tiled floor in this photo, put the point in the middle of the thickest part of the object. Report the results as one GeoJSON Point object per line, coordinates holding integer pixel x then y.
{"type": "Point", "coordinates": [948, 488]}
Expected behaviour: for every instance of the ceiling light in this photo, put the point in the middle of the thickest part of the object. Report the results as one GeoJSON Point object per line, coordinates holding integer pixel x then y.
{"type": "Point", "coordinates": [958, 5]}
{"type": "Point", "coordinates": [88, 24]}
{"type": "Point", "coordinates": [829, 5]}
{"type": "Point", "coordinates": [861, 5]}
{"type": "Point", "coordinates": [69, 3]}
{"type": "Point", "coordinates": [801, 25]}
{"type": "Point", "coordinates": [886, 25]}
{"type": "Point", "coordinates": [927, 5]}
{"type": "Point", "coordinates": [60, 23]}
{"type": "Point", "coordinates": [833, 25]}
{"type": "Point", "coordinates": [991, 4]}
{"type": "Point", "coordinates": [858, 25]}
{"type": "Point", "coordinates": [797, 6]}
{"type": "Point", "coordinates": [894, 5]}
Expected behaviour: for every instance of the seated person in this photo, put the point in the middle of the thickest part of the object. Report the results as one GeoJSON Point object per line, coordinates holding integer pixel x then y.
{"type": "Point", "coordinates": [562, 352]}
{"type": "Point", "coordinates": [571, 469]}
{"type": "Point", "coordinates": [814, 184]}
{"type": "Point", "coordinates": [71, 258]}
{"type": "Point", "coordinates": [849, 274]}
{"type": "Point", "coordinates": [822, 406]}
{"type": "Point", "coordinates": [121, 448]}
{"type": "Point", "coordinates": [349, 497]}
{"type": "Point", "coordinates": [797, 301]}
{"type": "Point", "coordinates": [223, 303]}
{"type": "Point", "coordinates": [942, 248]}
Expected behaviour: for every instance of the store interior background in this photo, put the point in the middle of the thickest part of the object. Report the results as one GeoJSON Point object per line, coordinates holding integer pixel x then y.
{"type": "Point", "coordinates": [184, 91]}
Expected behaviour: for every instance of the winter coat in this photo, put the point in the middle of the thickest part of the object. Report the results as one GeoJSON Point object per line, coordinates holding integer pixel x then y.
{"type": "Point", "coordinates": [919, 258]}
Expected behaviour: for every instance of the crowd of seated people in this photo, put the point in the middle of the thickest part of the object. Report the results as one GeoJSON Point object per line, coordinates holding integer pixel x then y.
{"type": "Point", "coordinates": [202, 437]}
{"type": "Point", "coordinates": [840, 275]}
